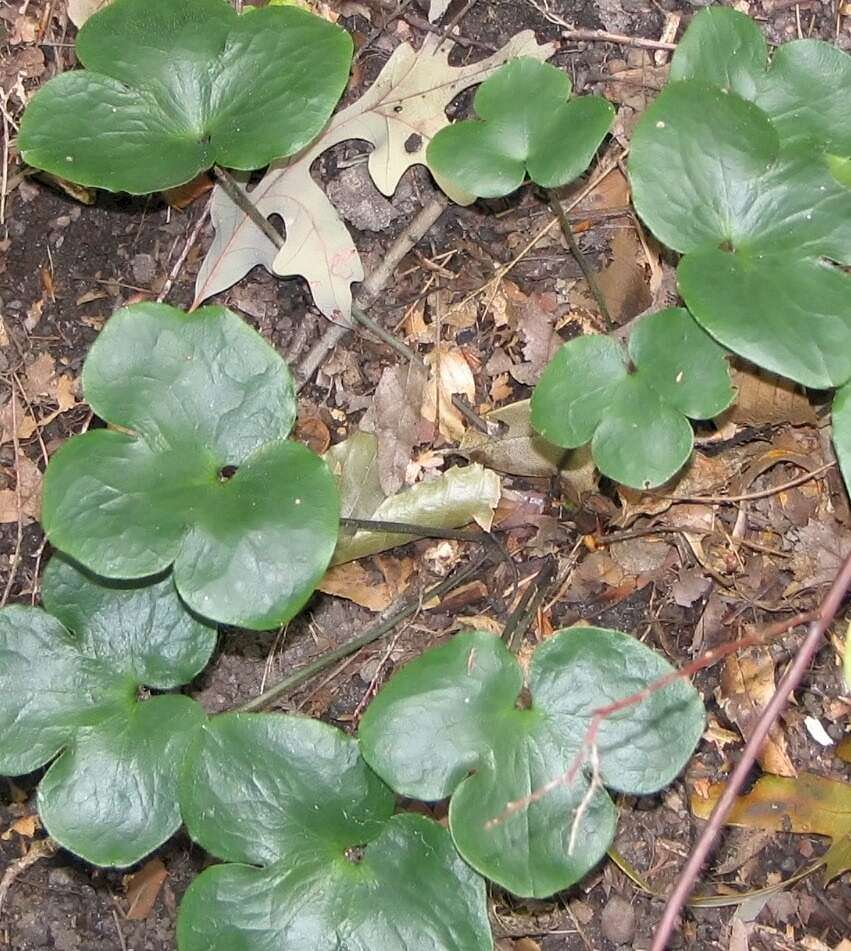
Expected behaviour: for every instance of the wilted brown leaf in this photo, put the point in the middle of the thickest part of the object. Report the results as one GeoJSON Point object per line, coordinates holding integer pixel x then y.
{"type": "Point", "coordinates": [28, 477]}
{"type": "Point", "coordinates": [354, 583]}
{"type": "Point", "coordinates": [450, 374]}
{"type": "Point", "coordinates": [398, 407]}
{"type": "Point", "coordinates": [747, 685]}
{"type": "Point", "coordinates": [764, 398]}
{"type": "Point", "coordinates": [624, 281]}
{"type": "Point", "coordinates": [143, 887]}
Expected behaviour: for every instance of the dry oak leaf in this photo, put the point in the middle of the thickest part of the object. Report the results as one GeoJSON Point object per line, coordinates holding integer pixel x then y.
{"type": "Point", "coordinates": [398, 115]}
{"type": "Point", "coordinates": [747, 685]}
{"type": "Point", "coordinates": [806, 804]}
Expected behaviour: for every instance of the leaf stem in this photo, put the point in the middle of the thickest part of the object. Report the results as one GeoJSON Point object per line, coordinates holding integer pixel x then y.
{"type": "Point", "coordinates": [378, 630]}
{"type": "Point", "coordinates": [241, 199]}
{"type": "Point", "coordinates": [589, 273]}
{"type": "Point", "coordinates": [521, 616]}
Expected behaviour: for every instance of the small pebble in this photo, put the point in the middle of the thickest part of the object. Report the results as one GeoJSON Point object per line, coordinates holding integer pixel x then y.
{"type": "Point", "coordinates": [618, 920]}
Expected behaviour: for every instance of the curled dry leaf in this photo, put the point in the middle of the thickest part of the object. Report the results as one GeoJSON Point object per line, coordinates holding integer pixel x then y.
{"type": "Point", "coordinates": [398, 406]}
{"type": "Point", "coordinates": [747, 685]}
{"type": "Point", "coordinates": [354, 583]}
{"type": "Point", "coordinates": [767, 399]}
{"type": "Point", "coordinates": [398, 115]}
{"type": "Point", "coordinates": [450, 374]}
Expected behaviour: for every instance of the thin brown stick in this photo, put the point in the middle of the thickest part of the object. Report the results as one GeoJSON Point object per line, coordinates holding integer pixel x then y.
{"type": "Point", "coordinates": [184, 254]}
{"type": "Point", "coordinates": [19, 506]}
{"type": "Point", "coordinates": [42, 849]}
{"type": "Point", "coordinates": [762, 494]}
{"type": "Point", "coordinates": [772, 711]}
{"type": "Point", "coordinates": [588, 271]}
{"type": "Point", "coordinates": [589, 741]}
{"type": "Point", "coordinates": [603, 36]}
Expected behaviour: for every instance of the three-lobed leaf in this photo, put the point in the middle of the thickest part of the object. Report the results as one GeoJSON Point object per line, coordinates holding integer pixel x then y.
{"type": "Point", "coordinates": [316, 858]}
{"type": "Point", "coordinates": [451, 723]}
{"type": "Point", "coordinates": [69, 679]}
{"type": "Point", "coordinates": [633, 405]}
{"type": "Point", "coordinates": [527, 125]}
{"type": "Point", "coordinates": [197, 471]}
{"type": "Point", "coordinates": [170, 89]}
{"type": "Point", "coordinates": [740, 169]}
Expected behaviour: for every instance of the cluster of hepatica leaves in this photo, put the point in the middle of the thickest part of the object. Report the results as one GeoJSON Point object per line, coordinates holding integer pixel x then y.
{"type": "Point", "coordinates": [193, 507]}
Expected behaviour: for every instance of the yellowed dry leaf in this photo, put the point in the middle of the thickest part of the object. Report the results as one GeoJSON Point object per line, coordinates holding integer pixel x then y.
{"type": "Point", "coordinates": [14, 416]}
{"type": "Point", "coordinates": [747, 685]}
{"type": "Point", "coordinates": [39, 378]}
{"type": "Point", "coordinates": [450, 374]}
{"type": "Point", "coordinates": [29, 483]}
{"type": "Point", "coordinates": [26, 826]}
{"type": "Point", "coordinates": [354, 583]}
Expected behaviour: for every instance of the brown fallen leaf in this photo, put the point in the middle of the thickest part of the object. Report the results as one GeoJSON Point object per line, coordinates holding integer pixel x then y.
{"type": "Point", "coordinates": [143, 887]}
{"type": "Point", "coordinates": [764, 399]}
{"type": "Point", "coordinates": [354, 583]}
{"type": "Point", "coordinates": [624, 280]}
{"type": "Point", "coordinates": [40, 377]}
{"type": "Point", "coordinates": [25, 826]}
{"type": "Point", "coordinates": [13, 417]}
{"type": "Point", "coordinates": [807, 804]}
{"type": "Point", "coordinates": [28, 476]}
{"type": "Point", "coordinates": [450, 374]}
{"type": "Point", "coordinates": [747, 685]}
{"type": "Point", "coordinates": [398, 407]}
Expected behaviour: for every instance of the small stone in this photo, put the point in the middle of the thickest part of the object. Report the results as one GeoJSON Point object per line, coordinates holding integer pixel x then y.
{"type": "Point", "coordinates": [144, 268]}
{"type": "Point", "coordinates": [359, 201]}
{"type": "Point", "coordinates": [618, 921]}
{"type": "Point", "coordinates": [62, 877]}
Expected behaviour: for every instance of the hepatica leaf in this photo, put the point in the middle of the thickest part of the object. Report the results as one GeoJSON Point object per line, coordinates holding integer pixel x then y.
{"type": "Point", "coordinates": [171, 88]}
{"type": "Point", "coordinates": [527, 124]}
{"type": "Point", "coordinates": [633, 405]}
{"type": "Point", "coordinates": [805, 90]}
{"type": "Point", "coordinates": [198, 472]}
{"type": "Point", "coordinates": [69, 680]}
{"type": "Point", "coordinates": [751, 194]}
{"type": "Point", "coordinates": [316, 858]}
{"type": "Point", "coordinates": [450, 724]}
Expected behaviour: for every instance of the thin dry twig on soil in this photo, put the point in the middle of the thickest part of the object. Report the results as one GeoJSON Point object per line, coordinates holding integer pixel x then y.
{"type": "Point", "coordinates": [598, 716]}
{"type": "Point", "coordinates": [378, 630]}
{"type": "Point", "coordinates": [805, 653]}
{"type": "Point", "coordinates": [602, 36]}
{"type": "Point", "coordinates": [751, 496]}
{"type": "Point", "coordinates": [191, 238]}
{"type": "Point", "coordinates": [19, 504]}
{"type": "Point", "coordinates": [42, 849]}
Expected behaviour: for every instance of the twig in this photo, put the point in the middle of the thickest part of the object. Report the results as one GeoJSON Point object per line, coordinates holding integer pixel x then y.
{"type": "Point", "coordinates": [602, 36]}
{"type": "Point", "coordinates": [232, 188]}
{"type": "Point", "coordinates": [761, 494]}
{"type": "Point", "coordinates": [42, 849]}
{"type": "Point", "coordinates": [378, 630]}
{"type": "Point", "coordinates": [184, 254]}
{"type": "Point", "coordinates": [772, 711]}
{"type": "Point", "coordinates": [373, 285]}
{"type": "Point", "coordinates": [392, 15]}
{"type": "Point", "coordinates": [582, 808]}
{"type": "Point", "coordinates": [422, 24]}
{"type": "Point", "coordinates": [19, 506]}
{"type": "Point", "coordinates": [603, 713]}
{"type": "Point", "coordinates": [588, 271]}
{"type": "Point", "coordinates": [521, 616]}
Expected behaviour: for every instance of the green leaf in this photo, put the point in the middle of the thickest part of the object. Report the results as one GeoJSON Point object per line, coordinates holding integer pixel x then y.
{"type": "Point", "coordinates": [451, 500]}
{"type": "Point", "coordinates": [170, 89]}
{"type": "Point", "coordinates": [526, 125]}
{"type": "Point", "coordinates": [633, 405]}
{"type": "Point", "coordinates": [69, 680]}
{"type": "Point", "coordinates": [451, 723]}
{"type": "Point", "coordinates": [759, 224]}
{"type": "Point", "coordinates": [840, 419]}
{"type": "Point", "coordinates": [805, 90]}
{"type": "Point", "coordinates": [337, 869]}
{"type": "Point", "coordinates": [196, 396]}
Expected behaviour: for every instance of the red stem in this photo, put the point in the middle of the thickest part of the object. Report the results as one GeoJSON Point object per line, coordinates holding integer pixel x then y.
{"type": "Point", "coordinates": [772, 711]}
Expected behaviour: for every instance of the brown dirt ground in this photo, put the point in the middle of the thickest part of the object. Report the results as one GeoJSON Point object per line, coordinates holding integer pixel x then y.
{"type": "Point", "coordinates": [57, 250]}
